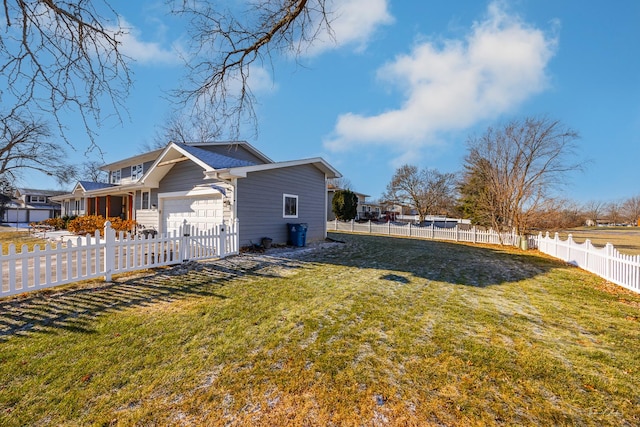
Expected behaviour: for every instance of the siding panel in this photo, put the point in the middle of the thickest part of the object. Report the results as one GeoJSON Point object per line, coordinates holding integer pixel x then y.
{"type": "Point", "coordinates": [259, 201]}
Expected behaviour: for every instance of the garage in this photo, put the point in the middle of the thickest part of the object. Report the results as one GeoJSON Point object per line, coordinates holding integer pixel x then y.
{"type": "Point", "coordinates": [204, 212]}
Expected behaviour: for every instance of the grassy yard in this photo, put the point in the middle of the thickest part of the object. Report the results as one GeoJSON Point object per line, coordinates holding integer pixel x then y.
{"type": "Point", "coordinates": [375, 331]}
{"type": "Point", "coordinates": [19, 238]}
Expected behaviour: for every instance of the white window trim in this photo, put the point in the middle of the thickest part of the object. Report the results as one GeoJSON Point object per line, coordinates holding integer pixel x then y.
{"type": "Point", "coordinates": [142, 193]}
{"type": "Point", "coordinates": [284, 205]}
{"type": "Point", "coordinates": [136, 172]}
{"type": "Point", "coordinates": [116, 176]}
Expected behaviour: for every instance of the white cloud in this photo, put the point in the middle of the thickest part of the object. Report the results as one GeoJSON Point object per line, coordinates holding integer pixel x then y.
{"type": "Point", "coordinates": [145, 52]}
{"type": "Point", "coordinates": [352, 22]}
{"type": "Point", "coordinates": [455, 84]}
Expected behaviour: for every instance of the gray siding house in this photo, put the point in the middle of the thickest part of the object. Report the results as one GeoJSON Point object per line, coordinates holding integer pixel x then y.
{"type": "Point", "coordinates": [207, 183]}
{"type": "Point", "coordinates": [31, 205]}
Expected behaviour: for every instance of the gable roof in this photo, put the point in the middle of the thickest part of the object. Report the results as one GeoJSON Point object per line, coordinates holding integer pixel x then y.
{"type": "Point", "coordinates": [214, 160]}
{"type": "Point", "coordinates": [90, 185]}
{"type": "Point", "coordinates": [176, 152]}
{"type": "Point", "coordinates": [36, 192]}
{"type": "Point", "coordinates": [230, 144]}
{"type": "Point", "coordinates": [241, 172]}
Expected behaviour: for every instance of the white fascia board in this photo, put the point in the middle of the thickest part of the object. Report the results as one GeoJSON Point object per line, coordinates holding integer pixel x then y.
{"type": "Point", "coordinates": [241, 172]}
{"type": "Point", "coordinates": [161, 157]}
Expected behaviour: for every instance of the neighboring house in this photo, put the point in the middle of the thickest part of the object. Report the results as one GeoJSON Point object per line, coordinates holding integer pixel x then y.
{"type": "Point", "coordinates": [206, 183]}
{"type": "Point", "coordinates": [31, 205]}
{"type": "Point", "coordinates": [365, 210]}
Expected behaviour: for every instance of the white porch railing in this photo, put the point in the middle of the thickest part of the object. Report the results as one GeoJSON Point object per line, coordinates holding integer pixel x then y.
{"type": "Point", "coordinates": [92, 256]}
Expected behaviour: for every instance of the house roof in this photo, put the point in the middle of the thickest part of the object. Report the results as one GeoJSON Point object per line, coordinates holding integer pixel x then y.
{"type": "Point", "coordinates": [137, 159]}
{"type": "Point", "coordinates": [36, 192]}
{"type": "Point", "coordinates": [241, 172]}
{"type": "Point", "coordinates": [90, 185]}
{"type": "Point", "coordinates": [214, 160]}
{"type": "Point", "coordinates": [250, 148]}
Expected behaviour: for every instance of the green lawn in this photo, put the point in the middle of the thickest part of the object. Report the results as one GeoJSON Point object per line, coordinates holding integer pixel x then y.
{"type": "Point", "coordinates": [376, 331]}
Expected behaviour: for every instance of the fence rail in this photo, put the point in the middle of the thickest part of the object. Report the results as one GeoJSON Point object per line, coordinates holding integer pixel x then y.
{"type": "Point", "coordinates": [455, 233]}
{"type": "Point", "coordinates": [94, 256]}
{"type": "Point", "coordinates": [606, 262]}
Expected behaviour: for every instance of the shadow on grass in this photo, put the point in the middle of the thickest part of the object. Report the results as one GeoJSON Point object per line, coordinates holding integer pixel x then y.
{"type": "Point", "coordinates": [458, 264]}
{"type": "Point", "coordinates": [74, 309]}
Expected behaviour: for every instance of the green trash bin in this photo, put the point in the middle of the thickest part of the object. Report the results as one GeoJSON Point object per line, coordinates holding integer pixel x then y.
{"type": "Point", "coordinates": [297, 234]}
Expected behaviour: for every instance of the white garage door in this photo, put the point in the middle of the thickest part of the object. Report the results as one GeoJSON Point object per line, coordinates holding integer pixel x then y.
{"type": "Point", "coordinates": [202, 212]}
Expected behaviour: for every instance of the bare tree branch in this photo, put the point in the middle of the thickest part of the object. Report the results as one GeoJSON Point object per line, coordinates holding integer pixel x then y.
{"type": "Point", "coordinates": [229, 44]}
{"type": "Point", "coordinates": [59, 57]}
{"type": "Point", "coordinates": [25, 145]}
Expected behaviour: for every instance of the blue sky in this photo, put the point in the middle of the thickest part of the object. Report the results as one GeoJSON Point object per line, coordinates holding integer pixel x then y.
{"type": "Point", "coordinates": [410, 81]}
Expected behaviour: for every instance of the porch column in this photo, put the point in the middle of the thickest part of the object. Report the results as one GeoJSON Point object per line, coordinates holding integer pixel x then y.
{"type": "Point", "coordinates": [95, 212]}
{"type": "Point", "coordinates": [130, 207]}
{"type": "Point", "coordinates": [107, 208]}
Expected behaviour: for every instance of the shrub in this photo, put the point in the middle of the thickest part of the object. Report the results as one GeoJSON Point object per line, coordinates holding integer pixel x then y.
{"type": "Point", "coordinates": [89, 224]}
{"type": "Point", "coordinates": [57, 223]}
{"type": "Point", "coordinates": [345, 205]}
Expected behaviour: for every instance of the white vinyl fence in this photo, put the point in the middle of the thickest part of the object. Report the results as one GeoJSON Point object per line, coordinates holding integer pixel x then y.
{"type": "Point", "coordinates": [455, 233]}
{"type": "Point", "coordinates": [92, 256]}
{"type": "Point", "coordinates": [606, 262]}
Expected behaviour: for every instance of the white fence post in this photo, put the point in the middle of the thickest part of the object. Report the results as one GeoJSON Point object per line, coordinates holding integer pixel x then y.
{"type": "Point", "coordinates": [109, 249]}
{"type": "Point", "coordinates": [609, 255]}
{"type": "Point", "coordinates": [186, 237]}
{"type": "Point", "coordinates": [222, 235]}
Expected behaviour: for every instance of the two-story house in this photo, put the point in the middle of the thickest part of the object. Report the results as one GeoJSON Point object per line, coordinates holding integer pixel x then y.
{"type": "Point", "coordinates": [206, 183]}
{"type": "Point", "coordinates": [31, 205]}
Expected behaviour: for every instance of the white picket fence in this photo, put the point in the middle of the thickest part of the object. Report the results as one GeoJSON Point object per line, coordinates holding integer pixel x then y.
{"type": "Point", "coordinates": [606, 262]}
{"type": "Point", "coordinates": [456, 233]}
{"type": "Point", "coordinates": [92, 256]}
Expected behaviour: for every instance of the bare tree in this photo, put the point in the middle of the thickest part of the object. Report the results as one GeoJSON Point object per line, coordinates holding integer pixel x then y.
{"type": "Point", "coordinates": [631, 209]}
{"type": "Point", "coordinates": [594, 210]}
{"type": "Point", "coordinates": [184, 128]}
{"type": "Point", "coordinates": [91, 171]}
{"type": "Point", "coordinates": [227, 43]}
{"type": "Point", "coordinates": [427, 190]}
{"type": "Point", "coordinates": [613, 212]}
{"type": "Point", "coordinates": [62, 56]}
{"type": "Point", "coordinates": [25, 144]}
{"type": "Point", "coordinates": [517, 166]}
{"type": "Point", "coordinates": [341, 183]}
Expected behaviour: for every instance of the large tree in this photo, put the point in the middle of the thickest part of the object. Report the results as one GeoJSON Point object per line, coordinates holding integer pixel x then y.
{"type": "Point", "coordinates": [516, 167]}
{"type": "Point", "coordinates": [61, 56]}
{"type": "Point", "coordinates": [26, 144]}
{"type": "Point", "coordinates": [428, 191]}
{"type": "Point", "coordinates": [631, 210]}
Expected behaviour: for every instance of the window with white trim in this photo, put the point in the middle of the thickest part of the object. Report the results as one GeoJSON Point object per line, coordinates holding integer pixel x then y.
{"type": "Point", "coordinates": [38, 199]}
{"type": "Point", "coordinates": [289, 206]}
{"type": "Point", "coordinates": [116, 176]}
{"type": "Point", "coordinates": [136, 172]}
{"type": "Point", "coordinates": [146, 197]}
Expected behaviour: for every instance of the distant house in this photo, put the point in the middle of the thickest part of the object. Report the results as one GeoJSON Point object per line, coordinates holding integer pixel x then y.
{"type": "Point", "coordinates": [365, 209]}
{"type": "Point", "coordinates": [31, 205]}
{"type": "Point", "coordinates": [206, 183]}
